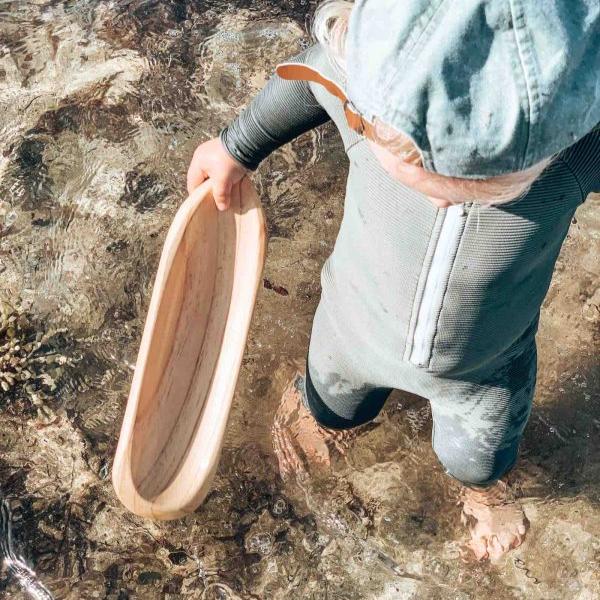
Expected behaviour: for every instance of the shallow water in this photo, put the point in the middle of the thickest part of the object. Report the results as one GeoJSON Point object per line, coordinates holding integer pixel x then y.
{"type": "Point", "coordinates": [102, 105]}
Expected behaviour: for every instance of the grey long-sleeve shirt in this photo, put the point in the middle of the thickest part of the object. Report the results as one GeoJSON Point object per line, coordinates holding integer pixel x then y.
{"type": "Point", "coordinates": [281, 111]}
{"type": "Point", "coordinates": [455, 291]}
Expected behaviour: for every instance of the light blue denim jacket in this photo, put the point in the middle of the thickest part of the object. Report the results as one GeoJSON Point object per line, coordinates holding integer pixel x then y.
{"type": "Point", "coordinates": [483, 87]}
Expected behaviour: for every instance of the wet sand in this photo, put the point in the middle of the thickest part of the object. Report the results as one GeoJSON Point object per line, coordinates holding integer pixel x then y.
{"type": "Point", "coordinates": [102, 105]}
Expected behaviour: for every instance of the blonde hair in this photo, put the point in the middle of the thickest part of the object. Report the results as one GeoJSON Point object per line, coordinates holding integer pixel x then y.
{"type": "Point", "coordinates": [329, 26]}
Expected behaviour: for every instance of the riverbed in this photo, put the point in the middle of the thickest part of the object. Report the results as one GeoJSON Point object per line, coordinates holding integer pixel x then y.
{"type": "Point", "coordinates": [101, 107]}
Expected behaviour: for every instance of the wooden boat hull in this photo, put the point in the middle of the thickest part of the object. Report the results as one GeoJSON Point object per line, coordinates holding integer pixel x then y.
{"type": "Point", "coordinates": [190, 354]}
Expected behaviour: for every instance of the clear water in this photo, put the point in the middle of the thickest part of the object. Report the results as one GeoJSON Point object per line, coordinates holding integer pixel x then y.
{"type": "Point", "coordinates": [101, 107]}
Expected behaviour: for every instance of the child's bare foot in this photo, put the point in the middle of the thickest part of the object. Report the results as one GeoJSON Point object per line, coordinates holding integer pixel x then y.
{"type": "Point", "coordinates": [298, 440]}
{"type": "Point", "coordinates": [495, 520]}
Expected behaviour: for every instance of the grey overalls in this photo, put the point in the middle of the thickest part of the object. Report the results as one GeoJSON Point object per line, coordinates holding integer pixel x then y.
{"type": "Point", "coordinates": [443, 303]}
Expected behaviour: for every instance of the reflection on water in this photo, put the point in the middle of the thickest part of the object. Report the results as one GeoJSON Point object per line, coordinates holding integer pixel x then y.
{"type": "Point", "coordinates": [102, 104]}
{"type": "Point", "coordinates": [14, 564]}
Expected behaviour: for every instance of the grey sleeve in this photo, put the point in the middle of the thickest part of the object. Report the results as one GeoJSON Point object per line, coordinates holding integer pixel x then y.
{"type": "Point", "coordinates": [583, 159]}
{"type": "Point", "coordinates": [280, 112]}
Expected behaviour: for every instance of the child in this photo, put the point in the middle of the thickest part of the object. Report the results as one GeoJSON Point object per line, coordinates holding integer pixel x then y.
{"type": "Point", "coordinates": [440, 109]}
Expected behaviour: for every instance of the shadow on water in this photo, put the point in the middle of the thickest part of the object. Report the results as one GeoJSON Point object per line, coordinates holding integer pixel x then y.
{"type": "Point", "coordinates": [560, 455]}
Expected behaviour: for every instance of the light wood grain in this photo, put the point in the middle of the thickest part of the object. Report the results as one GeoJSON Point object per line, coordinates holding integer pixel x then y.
{"type": "Point", "coordinates": [190, 354]}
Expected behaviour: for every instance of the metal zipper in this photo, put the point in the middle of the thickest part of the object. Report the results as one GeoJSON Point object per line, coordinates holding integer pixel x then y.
{"type": "Point", "coordinates": [436, 283]}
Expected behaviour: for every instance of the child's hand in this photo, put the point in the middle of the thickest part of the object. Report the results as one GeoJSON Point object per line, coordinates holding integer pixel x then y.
{"type": "Point", "coordinates": [212, 160]}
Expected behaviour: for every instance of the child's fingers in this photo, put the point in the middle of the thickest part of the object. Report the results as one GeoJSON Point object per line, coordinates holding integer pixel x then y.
{"type": "Point", "coordinates": [222, 194]}
{"type": "Point", "coordinates": [195, 175]}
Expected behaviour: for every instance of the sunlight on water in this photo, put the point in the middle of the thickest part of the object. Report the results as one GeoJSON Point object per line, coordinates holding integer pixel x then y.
{"type": "Point", "coordinates": [16, 566]}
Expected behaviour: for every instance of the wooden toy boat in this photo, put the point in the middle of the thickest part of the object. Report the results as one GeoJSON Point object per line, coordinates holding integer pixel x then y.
{"type": "Point", "coordinates": [190, 354]}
